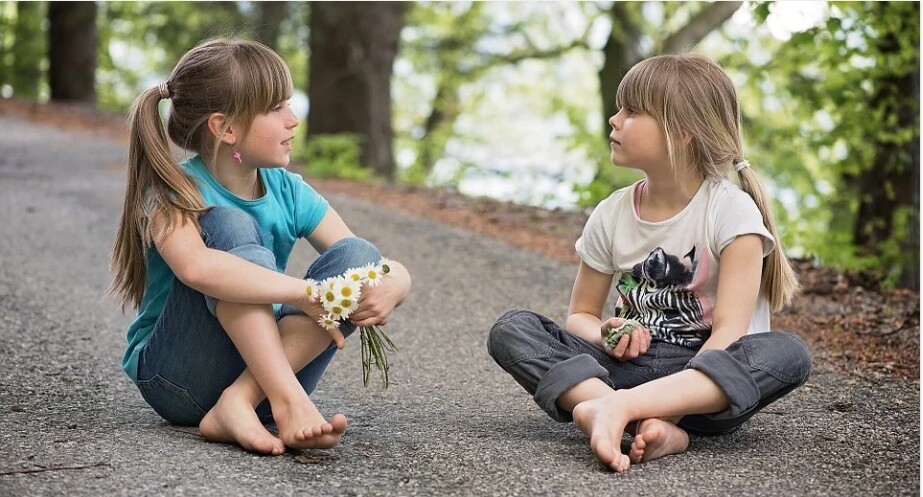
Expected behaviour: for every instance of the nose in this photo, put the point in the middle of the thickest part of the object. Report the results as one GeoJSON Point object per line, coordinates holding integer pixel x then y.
{"type": "Point", "coordinates": [614, 121]}
{"type": "Point", "coordinates": [292, 119]}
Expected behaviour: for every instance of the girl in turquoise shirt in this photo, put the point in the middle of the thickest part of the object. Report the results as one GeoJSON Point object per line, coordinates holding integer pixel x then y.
{"type": "Point", "coordinates": [223, 339]}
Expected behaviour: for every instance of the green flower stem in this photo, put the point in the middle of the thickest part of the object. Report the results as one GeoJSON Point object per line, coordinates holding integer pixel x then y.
{"type": "Point", "coordinates": [375, 345]}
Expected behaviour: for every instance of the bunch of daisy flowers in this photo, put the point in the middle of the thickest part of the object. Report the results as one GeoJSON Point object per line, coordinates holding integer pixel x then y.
{"type": "Point", "coordinates": [339, 296]}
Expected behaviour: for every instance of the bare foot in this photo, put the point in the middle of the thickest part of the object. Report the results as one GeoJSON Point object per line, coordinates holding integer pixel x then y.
{"type": "Point", "coordinates": [604, 420]}
{"type": "Point", "coordinates": [233, 420]}
{"type": "Point", "coordinates": [301, 426]}
{"type": "Point", "coordinates": [657, 438]}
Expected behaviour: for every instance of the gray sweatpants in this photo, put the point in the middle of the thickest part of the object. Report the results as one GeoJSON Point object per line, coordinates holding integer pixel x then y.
{"type": "Point", "coordinates": [547, 361]}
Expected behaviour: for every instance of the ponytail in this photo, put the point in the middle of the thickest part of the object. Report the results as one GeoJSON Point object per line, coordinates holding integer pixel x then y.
{"type": "Point", "coordinates": [779, 280]}
{"type": "Point", "coordinates": [156, 187]}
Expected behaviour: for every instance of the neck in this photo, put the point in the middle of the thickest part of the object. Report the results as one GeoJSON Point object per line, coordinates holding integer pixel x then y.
{"type": "Point", "coordinates": [665, 195]}
{"type": "Point", "coordinates": [239, 179]}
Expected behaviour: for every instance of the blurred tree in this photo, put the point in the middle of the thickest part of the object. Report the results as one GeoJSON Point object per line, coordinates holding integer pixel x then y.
{"type": "Point", "coordinates": [853, 84]}
{"type": "Point", "coordinates": [28, 50]}
{"type": "Point", "coordinates": [269, 19]}
{"type": "Point", "coordinates": [353, 45]}
{"type": "Point", "coordinates": [452, 42]}
{"type": "Point", "coordinates": [72, 45]}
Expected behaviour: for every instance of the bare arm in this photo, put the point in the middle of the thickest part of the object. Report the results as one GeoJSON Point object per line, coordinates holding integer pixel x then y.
{"type": "Point", "coordinates": [584, 319]}
{"type": "Point", "coordinates": [738, 289]}
{"type": "Point", "coordinates": [584, 316]}
{"type": "Point", "coordinates": [222, 275]}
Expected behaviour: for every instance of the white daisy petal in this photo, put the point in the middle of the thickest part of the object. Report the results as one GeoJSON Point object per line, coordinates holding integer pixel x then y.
{"type": "Point", "coordinates": [328, 322]}
{"type": "Point", "coordinates": [353, 275]}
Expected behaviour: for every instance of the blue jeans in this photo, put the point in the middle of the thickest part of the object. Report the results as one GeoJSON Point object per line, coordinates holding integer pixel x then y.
{"type": "Point", "coordinates": [190, 359]}
{"type": "Point", "coordinates": [547, 360]}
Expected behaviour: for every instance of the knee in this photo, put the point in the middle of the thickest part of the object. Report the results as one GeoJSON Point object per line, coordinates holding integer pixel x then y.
{"type": "Point", "coordinates": [354, 252]}
{"type": "Point", "coordinates": [225, 228]}
{"type": "Point", "coordinates": [345, 254]}
{"type": "Point", "coordinates": [511, 329]}
{"type": "Point", "coordinates": [799, 355]}
{"type": "Point", "coordinates": [789, 353]}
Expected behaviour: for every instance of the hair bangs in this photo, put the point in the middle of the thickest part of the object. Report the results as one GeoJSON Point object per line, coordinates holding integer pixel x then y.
{"type": "Point", "coordinates": [643, 89]}
{"type": "Point", "coordinates": [262, 79]}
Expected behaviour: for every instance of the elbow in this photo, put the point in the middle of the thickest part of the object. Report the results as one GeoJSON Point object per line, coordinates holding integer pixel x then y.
{"type": "Point", "coordinates": [191, 274]}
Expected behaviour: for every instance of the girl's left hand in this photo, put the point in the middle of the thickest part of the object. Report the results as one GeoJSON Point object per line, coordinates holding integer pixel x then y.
{"type": "Point", "coordinates": [375, 305]}
{"type": "Point", "coordinates": [630, 346]}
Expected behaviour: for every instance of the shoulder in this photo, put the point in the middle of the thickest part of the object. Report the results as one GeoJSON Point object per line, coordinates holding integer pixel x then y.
{"type": "Point", "coordinates": [282, 180]}
{"type": "Point", "coordinates": [725, 195]}
{"type": "Point", "coordinates": [281, 176]}
{"type": "Point", "coordinates": [618, 201]}
{"type": "Point", "coordinates": [733, 212]}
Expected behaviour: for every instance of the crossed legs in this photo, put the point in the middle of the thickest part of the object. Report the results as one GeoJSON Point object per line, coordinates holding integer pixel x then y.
{"type": "Point", "coordinates": [272, 354]}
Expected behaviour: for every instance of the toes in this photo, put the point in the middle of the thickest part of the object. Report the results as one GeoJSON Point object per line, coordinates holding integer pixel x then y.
{"type": "Point", "coordinates": [621, 463]}
{"type": "Point", "coordinates": [338, 422]}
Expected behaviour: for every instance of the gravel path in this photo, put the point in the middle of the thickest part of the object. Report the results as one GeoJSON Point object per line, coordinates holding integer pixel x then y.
{"type": "Point", "coordinates": [72, 423]}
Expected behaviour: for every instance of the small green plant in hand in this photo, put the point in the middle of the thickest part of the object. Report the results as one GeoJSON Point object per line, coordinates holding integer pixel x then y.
{"type": "Point", "coordinates": [615, 333]}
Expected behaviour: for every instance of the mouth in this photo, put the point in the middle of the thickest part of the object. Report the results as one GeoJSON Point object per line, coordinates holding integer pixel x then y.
{"type": "Point", "coordinates": [288, 142]}
{"type": "Point", "coordinates": [613, 141]}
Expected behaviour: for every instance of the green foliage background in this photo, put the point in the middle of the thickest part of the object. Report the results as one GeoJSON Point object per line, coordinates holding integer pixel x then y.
{"type": "Point", "coordinates": [815, 118]}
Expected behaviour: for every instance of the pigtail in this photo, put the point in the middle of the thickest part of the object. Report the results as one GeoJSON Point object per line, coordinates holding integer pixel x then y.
{"type": "Point", "coordinates": [779, 280]}
{"type": "Point", "coordinates": [156, 186]}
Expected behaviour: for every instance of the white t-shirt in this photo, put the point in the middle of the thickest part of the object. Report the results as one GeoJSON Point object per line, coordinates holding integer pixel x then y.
{"type": "Point", "coordinates": [666, 272]}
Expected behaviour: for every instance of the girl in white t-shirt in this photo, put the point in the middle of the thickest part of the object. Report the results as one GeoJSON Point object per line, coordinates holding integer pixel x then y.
{"type": "Point", "coordinates": [697, 265]}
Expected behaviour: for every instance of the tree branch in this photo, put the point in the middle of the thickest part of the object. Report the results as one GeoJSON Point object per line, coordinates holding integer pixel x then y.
{"type": "Point", "coordinates": [707, 20]}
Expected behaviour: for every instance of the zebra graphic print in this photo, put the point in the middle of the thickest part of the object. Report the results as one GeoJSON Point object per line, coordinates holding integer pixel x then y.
{"type": "Point", "coordinates": [657, 293]}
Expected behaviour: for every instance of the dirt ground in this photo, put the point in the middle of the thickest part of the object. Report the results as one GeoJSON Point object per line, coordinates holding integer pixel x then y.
{"type": "Point", "coordinates": [847, 319]}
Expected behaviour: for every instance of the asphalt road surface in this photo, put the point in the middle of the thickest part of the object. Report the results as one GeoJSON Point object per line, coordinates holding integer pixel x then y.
{"type": "Point", "coordinates": [72, 423]}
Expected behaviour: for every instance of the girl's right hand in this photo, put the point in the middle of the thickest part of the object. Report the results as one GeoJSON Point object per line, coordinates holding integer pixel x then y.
{"type": "Point", "coordinates": [630, 346]}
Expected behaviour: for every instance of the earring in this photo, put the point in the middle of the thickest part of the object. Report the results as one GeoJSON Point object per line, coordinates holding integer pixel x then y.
{"type": "Point", "coordinates": [236, 154]}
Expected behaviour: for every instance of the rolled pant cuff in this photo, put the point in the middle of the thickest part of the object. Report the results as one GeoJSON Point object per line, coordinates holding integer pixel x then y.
{"type": "Point", "coordinates": [733, 377]}
{"type": "Point", "coordinates": [563, 376]}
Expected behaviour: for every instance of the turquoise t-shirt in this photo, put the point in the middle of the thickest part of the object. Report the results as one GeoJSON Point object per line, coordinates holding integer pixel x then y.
{"type": "Point", "coordinates": [289, 210]}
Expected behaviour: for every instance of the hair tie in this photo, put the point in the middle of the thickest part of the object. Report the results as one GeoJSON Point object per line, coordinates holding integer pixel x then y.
{"type": "Point", "coordinates": [741, 164]}
{"type": "Point", "coordinates": [164, 91]}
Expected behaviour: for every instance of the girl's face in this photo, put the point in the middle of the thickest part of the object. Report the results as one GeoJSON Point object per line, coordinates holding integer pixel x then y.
{"type": "Point", "coordinates": [268, 141]}
{"type": "Point", "coordinates": [637, 142]}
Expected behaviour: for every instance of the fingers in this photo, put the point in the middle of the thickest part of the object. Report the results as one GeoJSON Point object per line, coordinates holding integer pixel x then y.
{"type": "Point", "coordinates": [620, 348]}
{"type": "Point", "coordinates": [633, 345]}
{"type": "Point", "coordinates": [337, 336]}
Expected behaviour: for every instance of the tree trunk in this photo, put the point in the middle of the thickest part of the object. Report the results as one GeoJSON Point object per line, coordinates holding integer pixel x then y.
{"type": "Point", "coordinates": [28, 50]}
{"type": "Point", "coordinates": [620, 53]}
{"type": "Point", "coordinates": [269, 17]}
{"type": "Point", "coordinates": [353, 46]}
{"type": "Point", "coordinates": [892, 182]}
{"type": "Point", "coordinates": [72, 41]}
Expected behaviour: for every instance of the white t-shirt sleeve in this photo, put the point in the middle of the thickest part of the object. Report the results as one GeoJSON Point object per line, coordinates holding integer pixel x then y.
{"type": "Point", "coordinates": [737, 214]}
{"type": "Point", "coordinates": [595, 244]}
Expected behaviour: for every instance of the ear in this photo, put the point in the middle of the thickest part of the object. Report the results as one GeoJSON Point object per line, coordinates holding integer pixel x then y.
{"type": "Point", "coordinates": [687, 139]}
{"type": "Point", "coordinates": [217, 122]}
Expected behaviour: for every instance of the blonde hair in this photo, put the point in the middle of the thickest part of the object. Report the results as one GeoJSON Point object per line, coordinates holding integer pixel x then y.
{"type": "Point", "coordinates": [238, 78]}
{"type": "Point", "coordinates": [696, 105]}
